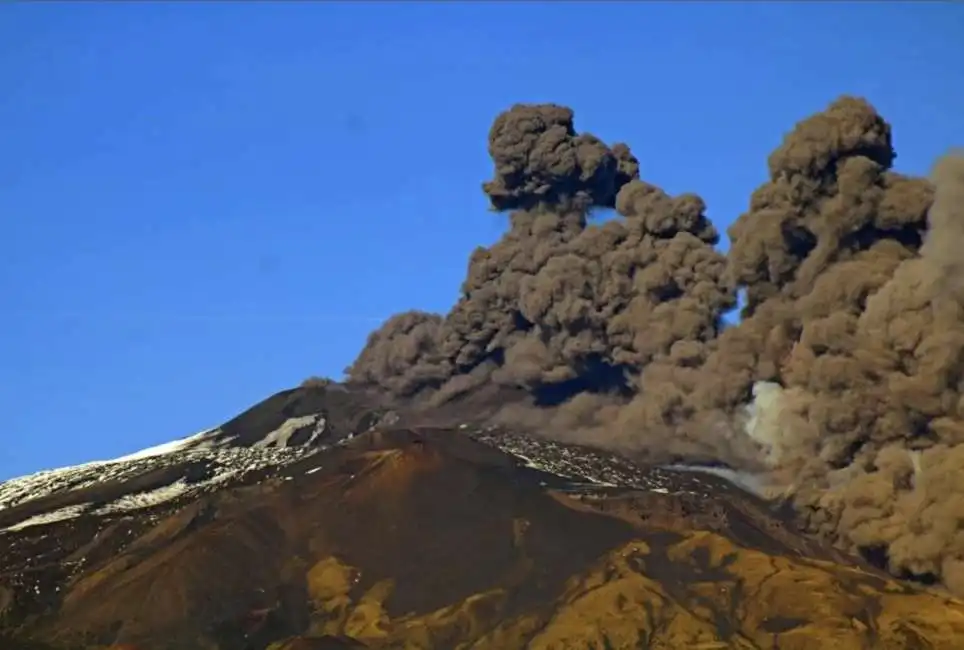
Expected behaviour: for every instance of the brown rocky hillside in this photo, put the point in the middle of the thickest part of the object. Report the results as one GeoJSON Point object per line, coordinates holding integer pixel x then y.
{"type": "Point", "coordinates": [317, 520]}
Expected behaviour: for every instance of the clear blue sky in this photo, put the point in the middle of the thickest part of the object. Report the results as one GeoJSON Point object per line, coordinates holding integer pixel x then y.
{"type": "Point", "coordinates": [204, 203]}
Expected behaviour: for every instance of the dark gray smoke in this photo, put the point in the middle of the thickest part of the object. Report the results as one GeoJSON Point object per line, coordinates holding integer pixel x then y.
{"type": "Point", "coordinates": [841, 388]}
{"type": "Point", "coordinates": [560, 306]}
{"type": "Point", "coordinates": [866, 431]}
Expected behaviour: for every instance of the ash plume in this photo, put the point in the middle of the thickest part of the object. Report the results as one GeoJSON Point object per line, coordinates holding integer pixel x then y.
{"type": "Point", "coordinates": [859, 343]}
{"type": "Point", "coordinates": [401, 356]}
{"type": "Point", "coordinates": [560, 306]}
{"type": "Point", "coordinates": [839, 390]}
{"type": "Point", "coordinates": [539, 158]}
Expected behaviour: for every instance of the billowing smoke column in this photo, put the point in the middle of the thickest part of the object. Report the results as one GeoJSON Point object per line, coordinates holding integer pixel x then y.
{"type": "Point", "coordinates": [400, 356]}
{"type": "Point", "coordinates": [867, 430]}
{"type": "Point", "coordinates": [559, 306]}
{"type": "Point", "coordinates": [840, 389]}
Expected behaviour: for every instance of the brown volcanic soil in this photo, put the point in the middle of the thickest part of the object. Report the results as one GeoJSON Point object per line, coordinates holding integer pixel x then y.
{"type": "Point", "coordinates": [427, 538]}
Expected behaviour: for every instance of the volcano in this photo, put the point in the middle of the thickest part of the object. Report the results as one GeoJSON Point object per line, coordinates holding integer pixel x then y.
{"type": "Point", "coordinates": [789, 481]}
{"type": "Point", "coordinates": [323, 518]}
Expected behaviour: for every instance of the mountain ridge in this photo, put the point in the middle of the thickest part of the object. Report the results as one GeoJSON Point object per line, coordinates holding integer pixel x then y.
{"type": "Point", "coordinates": [429, 536]}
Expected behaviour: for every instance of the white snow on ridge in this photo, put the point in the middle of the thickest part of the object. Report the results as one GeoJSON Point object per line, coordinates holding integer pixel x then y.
{"type": "Point", "coordinates": [281, 436]}
{"type": "Point", "coordinates": [164, 448]}
{"type": "Point", "coordinates": [608, 470]}
{"type": "Point", "coordinates": [33, 486]}
{"type": "Point", "coordinates": [49, 517]}
{"type": "Point", "coordinates": [560, 470]}
{"type": "Point", "coordinates": [222, 463]}
{"type": "Point", "coordinates": [146, 499]}
{"type": "Point", "coordinates": [47, 482]}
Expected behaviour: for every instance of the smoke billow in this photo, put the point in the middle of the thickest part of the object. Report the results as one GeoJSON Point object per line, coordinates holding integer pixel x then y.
{"type": "Point", "coordinates": [560, 306]}
{"type": "Point", "coordinates": [840, 388]}
{"type": "Point", "coordinates": [398, 357]}
{"type": "Point", "coordinates": [877, 396]}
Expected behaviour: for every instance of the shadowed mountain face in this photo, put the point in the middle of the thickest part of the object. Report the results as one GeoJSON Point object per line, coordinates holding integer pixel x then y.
{"type": "Point", "coordinates": [320, 519]}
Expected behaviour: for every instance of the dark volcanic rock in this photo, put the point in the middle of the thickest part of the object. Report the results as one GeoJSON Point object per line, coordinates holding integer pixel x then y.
{"type": "Point", "coordinates": [311, 414]}
{"type": "Point", "coordinates": [391, 536]}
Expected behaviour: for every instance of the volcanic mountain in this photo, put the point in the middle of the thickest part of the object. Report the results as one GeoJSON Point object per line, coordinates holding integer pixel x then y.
{"type": "Point", "coordinates": [322, 518]}
{"type": "Point", "coordinates": [791, 480]}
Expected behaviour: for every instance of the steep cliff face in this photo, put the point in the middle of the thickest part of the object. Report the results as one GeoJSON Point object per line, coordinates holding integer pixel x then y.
{"type": "Point", "coordinates": [363, 535]}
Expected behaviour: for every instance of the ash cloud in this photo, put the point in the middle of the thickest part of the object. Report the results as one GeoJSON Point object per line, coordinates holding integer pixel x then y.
{"type": "Point", "coordinates": [401, 356]}
{"type": "Point", "coordinates": [539, 158]}
{"type": "Point", "coordinates": [560, 306]}
{"type": "Point", "coordinates": [841, 387]}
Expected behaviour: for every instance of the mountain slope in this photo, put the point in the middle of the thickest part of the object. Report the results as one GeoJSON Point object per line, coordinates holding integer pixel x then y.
{"type": "Point", "coordinates": [288, 534]}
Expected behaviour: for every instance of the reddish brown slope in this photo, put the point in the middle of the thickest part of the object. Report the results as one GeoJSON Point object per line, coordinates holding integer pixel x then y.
{"type": "Point", "coordinates": [429, 539]}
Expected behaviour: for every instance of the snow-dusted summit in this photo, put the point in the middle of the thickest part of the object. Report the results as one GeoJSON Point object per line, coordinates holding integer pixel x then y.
{"type": "Point", "coordinates": [277, 431]}
{"type": "Point", "coordinates": [282, 431]}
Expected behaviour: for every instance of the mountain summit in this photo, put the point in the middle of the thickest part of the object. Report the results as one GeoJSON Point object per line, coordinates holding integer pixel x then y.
{"type": "Point", "coordinates": [320, 518]}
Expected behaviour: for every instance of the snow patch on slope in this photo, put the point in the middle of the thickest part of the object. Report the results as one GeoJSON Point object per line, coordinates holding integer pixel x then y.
{"type": "Point", "coordinates": [282, 435]}
{"type": "Point", "coordinates": [50, 517]}
{"type": "Point", "coordinates": [75, 477]}
{"type": "Point", "coordinates": [145, 499]}
{"type": "Point", "coordinates": [602, 469]}
{"type": "Point", "coordinates": [197, 464]}
{"type": "Point", "coordinates": [164, 448]}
